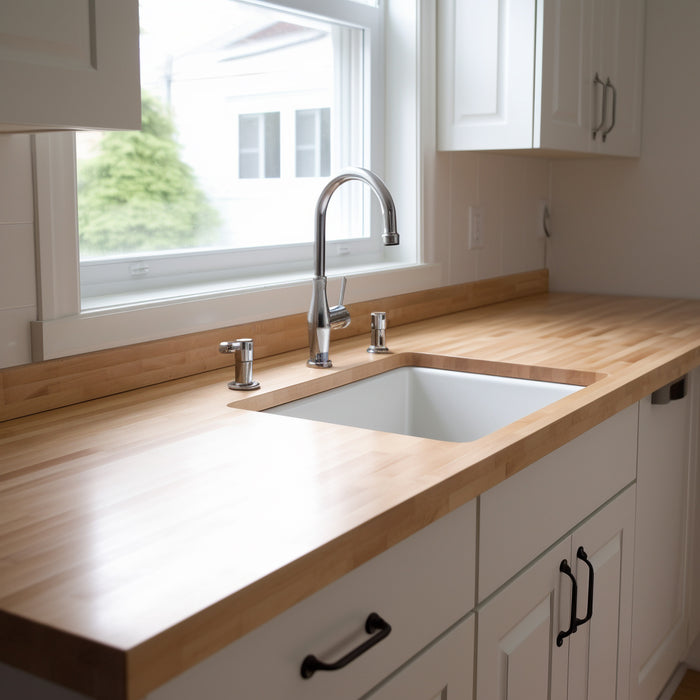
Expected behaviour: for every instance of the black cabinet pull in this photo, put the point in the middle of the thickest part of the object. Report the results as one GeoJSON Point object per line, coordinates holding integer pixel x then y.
{"type": "Point", "coordinates": [581, 554]}
{"type": "Point", "coordinates": [566, 569]}
{"type": "Point", "coordinates": [373, 624]}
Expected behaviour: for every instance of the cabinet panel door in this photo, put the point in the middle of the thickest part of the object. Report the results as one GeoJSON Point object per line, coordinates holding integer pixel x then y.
{"type": "Point", "coordinates": [69, 63]}
{"type": "Point", "coordinates": [444, 671]}
{"type": "Point", "coordinates": [619, 56]}
{"type": "Point", "coordinates": [517, 655]}
{"type": "Point", "coordinates": [550, 497]}
{"type": "Point", "coordinates": [599, 652]}
{"type": "Point", "coordinates": [485, 74]}
{"type": "Point", "coordinates": [565, 70]}
{"type": "Point", "coordinates": [660, 614]}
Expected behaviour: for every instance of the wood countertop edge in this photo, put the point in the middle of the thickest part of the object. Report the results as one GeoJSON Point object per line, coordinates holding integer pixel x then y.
{"type": "Point", "coordinates": [108, 672]}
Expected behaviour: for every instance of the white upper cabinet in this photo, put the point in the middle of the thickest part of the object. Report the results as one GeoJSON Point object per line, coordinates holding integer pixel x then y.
{"type": "Point", "coordinates": [521, 74]}
{"type": "Point", "coordinates": [69, 64]}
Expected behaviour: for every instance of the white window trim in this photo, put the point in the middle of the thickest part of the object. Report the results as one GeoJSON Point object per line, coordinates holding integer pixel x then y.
{"type": "Point", "coordinates": [63, 329]}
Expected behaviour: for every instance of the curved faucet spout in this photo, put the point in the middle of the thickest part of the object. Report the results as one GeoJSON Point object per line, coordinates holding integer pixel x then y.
{"type": "Point", "coordinates": [321, 318]}
{"type": "Point", "coordinates": [390, 235]}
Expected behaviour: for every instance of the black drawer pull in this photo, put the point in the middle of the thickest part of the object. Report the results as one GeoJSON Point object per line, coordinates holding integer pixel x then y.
{"type": "Point", "coordinates": [373, 624]}
{"type": "Point", "coordinates": [566, 569]}
{"type": "Point", "coordinates": [581, 554]}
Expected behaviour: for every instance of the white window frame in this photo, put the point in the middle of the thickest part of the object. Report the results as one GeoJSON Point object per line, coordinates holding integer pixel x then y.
{"type": "Point", "coordinates": [63, 328]}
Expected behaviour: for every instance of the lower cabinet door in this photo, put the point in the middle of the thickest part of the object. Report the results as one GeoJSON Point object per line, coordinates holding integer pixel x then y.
{"type": "Point", "coordinates": [517, 653]}
{"type": "Point", "coordinates": [444, 671]}
{"type": "Point", "coordinates": [660, 607]}
{"type": "Point", "coordinates": [527, 644]}
{"type": "Point", "coordinates": [599, 652]}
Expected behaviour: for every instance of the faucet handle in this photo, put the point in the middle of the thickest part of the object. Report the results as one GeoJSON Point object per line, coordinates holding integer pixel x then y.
{"type": "Point", "coordinates": [343, 284]}
{"type": "Point", "coordinates": [378, 333]}
{"type": "Point", "coordinates": [243, 351]}
{"type": "Point", "coordinates": [339, 315]}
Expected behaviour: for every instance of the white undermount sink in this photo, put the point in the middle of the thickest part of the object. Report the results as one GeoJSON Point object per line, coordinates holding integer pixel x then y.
{"type": "Point", "coordinates": [431, 403]}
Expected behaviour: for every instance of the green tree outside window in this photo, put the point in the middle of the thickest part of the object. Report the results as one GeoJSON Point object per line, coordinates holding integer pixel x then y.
{"type": "Point", "coordinates": [137, 194]}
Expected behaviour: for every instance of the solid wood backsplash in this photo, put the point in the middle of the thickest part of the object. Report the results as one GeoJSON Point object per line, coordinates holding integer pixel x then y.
{"type": "Point", "coordinates": [41, 386]}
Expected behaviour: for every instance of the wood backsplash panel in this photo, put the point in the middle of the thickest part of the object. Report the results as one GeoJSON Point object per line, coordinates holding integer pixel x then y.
{"type": "Point", "coordinates": [41, 386]}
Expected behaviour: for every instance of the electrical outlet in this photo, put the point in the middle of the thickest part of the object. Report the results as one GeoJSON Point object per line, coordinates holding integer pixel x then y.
{"type": "Point", "coordinates": [476, 227]}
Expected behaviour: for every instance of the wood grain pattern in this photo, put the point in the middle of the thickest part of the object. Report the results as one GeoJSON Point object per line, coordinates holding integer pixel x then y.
{"type": "Point", "coordinates": [44, 385]}
{"type": "Point", "coordinates": [689, 689]}
{"type": "Point", "coordinates": [141, 532]}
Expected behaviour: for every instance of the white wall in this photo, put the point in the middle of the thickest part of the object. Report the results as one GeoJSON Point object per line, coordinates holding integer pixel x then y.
{"type": "Point", "coordinates": [633, 226]}
{"type": "Point", "coordinates": [507, 190]}
{"type": "Point", "coordinates": [17, 278]}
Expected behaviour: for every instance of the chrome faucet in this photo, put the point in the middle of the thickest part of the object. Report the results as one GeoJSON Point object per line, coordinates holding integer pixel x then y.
{"type": "Point", "coordinates": [321, 318]}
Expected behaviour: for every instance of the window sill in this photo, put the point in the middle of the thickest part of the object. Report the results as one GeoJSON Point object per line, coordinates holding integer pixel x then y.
{"type": "Point", "coordinates": [209, 290]}
{"type": "Point", "coordinates": [190, 310]}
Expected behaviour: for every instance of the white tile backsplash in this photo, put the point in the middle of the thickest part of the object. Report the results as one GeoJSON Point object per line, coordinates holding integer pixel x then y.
{"type": "Point", "coordinates": [506, 189]}
{"type": "Point", "coordinates": [15, 346]}
{"type": "Point", "coordinates": [16, 186]}
{"type": "Point", "coordinates": [17, 276]}
{"type": "Point", "coordinates": [525, 184]}
{"type": "Point", "coordinates": [17, 266]}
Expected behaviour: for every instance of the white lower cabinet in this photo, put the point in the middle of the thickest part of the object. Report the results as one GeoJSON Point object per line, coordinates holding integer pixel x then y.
{"type": "Point", "coordinates": [444, 671]}
{"type": "Point", "coordinates": [661, 599]}
{"type": "Point", "coordinates": [523, 650]}
{"type": "Point", "coordinates": [422, 587]}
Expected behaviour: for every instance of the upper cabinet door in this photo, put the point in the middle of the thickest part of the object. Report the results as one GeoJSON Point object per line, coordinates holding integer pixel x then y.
{"type": "Point", "coordinates": [69, 64]}
{"type": "Point", "coordinates": [562, 88]}
{"type": "Point", "coordinates": [618, 60]}
{"type": "Point", "coordinates": [522, 75]}
{"type": "Point", "coordinates": [485, 97]}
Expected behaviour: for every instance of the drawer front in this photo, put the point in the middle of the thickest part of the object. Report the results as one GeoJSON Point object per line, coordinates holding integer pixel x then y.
{"type": "Point", "coordinates": [420, 587]}
{"type": "Point", "coordinates": [441, 672]}
{"type": "Point", "coordinates": [522, 516]}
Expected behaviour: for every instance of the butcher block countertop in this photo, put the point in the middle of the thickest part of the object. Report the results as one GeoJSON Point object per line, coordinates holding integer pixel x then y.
{"type": "Point", "coordinates": [142, 532]}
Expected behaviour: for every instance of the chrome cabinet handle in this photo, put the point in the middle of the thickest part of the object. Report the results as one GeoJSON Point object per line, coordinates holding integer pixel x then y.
{"type": "Point", "coordinates": [608, 84]}
{"type": "Point", "coordinates": [581, 554]}
{"type": "Point", "coordinates": [373, 624]}
{"type": "Point", "coordinates": [566, 569]}
{"type": "Point", "coordinates": [604, 106]}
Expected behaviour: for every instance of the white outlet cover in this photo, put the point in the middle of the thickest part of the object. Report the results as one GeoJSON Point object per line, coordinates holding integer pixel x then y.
{"type": "Point", "coordinates": [476, 227]}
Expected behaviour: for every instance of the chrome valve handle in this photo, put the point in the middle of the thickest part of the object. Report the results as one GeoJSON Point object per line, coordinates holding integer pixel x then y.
{"type": "Point", "coordinates": [243, 351]}
{"type": "Point", "coordinates": [378, 332]}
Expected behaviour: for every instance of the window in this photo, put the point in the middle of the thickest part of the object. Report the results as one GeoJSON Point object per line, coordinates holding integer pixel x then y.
{"type": "Point", "coordinates": [246, 110]}
{"type": "Point", "coordinates": [113, 312]}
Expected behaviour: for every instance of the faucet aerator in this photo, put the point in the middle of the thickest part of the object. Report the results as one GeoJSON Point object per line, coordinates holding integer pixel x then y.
{"type": "Point", "coordinates": [390, 238]}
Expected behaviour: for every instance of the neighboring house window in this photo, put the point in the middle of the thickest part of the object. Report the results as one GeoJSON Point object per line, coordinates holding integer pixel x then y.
{"type": "Point", "coordinates": [313, 142]}
{"type": "Point", "coordinates": [259, 145]}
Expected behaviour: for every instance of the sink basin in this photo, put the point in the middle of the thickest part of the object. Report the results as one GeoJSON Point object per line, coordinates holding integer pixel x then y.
{"type": "Point", "coordinates": [431, 403]}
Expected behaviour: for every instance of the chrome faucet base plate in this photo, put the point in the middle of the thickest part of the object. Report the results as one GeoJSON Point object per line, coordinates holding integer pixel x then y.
{"type": "Point", "coordinates": [325, 364]}
{"type": "Point", "coordinates": [237, 386]}
{"type": "Point", "coordinates": [378, 349]}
